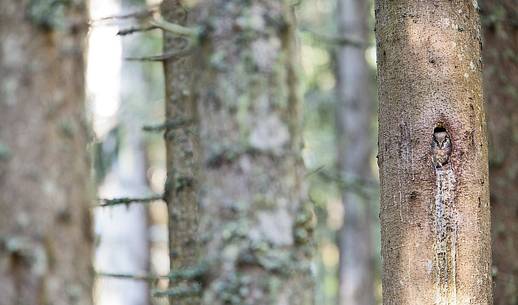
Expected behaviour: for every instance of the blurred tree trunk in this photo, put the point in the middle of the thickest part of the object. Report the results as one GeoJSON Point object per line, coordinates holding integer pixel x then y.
{"type": "Point", "coordinates": [354, 120]}
{"type": "Point", "coordinates": [123, 230]}
{"type": "Point", "coordinates": [254, 225]}
{"type": "Point", "coordinates": [501, 78]}
{"type": "Point", "coordinates": [181, 189]}
{"type": "Point", "coordinates": [432, 154]}
{"type": "Point", "coordinates": [45, 233]}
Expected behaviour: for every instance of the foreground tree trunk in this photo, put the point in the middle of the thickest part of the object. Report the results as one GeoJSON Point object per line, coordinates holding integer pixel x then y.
{"type": "Point", "coordinates": [45, 238]}
{"type": "Point", "coordinates": [354, 120]}
{"type": "Point", "coordinates": [500, 79]}
{"type": "Point", "coordinates": [432, 154]}
{"type": "Point", "coordinates": [254, 225]}
{"type": "Point", "coordinates": [181, 190]}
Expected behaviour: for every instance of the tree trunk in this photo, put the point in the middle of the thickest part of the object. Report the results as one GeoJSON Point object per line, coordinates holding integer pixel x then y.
{"type": "Point", "coordinates": [432, 154]}
{"type": "Point", "coordinates": [501, 77]}
{"type": "Point", "coordinates": [181, 189]}
{"type": "Point", "coordinates": [254, 227]}
{"type": "Point", "coordinates": [122, 230]}
{"type": "Point", "coordinates": [354, 120]}
{"type": "Point", "coordinates": [45, 234]}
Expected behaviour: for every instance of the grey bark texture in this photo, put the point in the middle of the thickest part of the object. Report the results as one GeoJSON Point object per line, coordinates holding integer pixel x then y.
{"type": "Point", "coordinates": [435, 219]}
{"type": "Point", "coordinates": [45, 233]}
{"type": "Point", "coordinates": [354, 120]}
{"type": "Point", "coordinates": [255, 226]}
{"type": "Point", "coordinates": [500, 81]}
{"type": "Point", "coordinates": [182, 152]}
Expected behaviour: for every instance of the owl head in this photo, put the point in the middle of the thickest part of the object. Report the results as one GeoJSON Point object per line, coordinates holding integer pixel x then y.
{"type": "Point", "coordinates": [441, 137]}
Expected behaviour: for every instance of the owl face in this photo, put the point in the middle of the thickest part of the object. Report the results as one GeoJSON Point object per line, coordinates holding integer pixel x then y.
{"type": "Point", "coordinates": [442, 139]}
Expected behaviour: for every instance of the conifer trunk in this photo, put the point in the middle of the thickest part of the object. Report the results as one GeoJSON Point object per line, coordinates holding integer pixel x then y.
{"type": "Point", "coordinates": [255, 227]}
{"type": "Point", "coordinates": [181, 189]}
{"type": "Point", "coordinates": [45, 237]}
{"type": "Point", "coordinates": [432, 154]}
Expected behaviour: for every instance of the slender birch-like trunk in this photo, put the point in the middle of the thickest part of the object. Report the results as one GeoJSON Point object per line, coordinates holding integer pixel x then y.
{"type": "Point", "coordinates": [181, 190]}
{"type": "Point", "coordinates": [433, 154]}
{"type": "Point", "coordinates": [122, 230]}
{"type": "Point", "coordinates": [354, 120]}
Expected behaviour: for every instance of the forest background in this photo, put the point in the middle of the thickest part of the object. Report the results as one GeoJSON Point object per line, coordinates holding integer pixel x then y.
{"type": "Point", "coordinates": [321, 40]}
{"type": "Point", "coordinates": [125, 92]}
{"type": "Point", "coordinates": [141, 103]}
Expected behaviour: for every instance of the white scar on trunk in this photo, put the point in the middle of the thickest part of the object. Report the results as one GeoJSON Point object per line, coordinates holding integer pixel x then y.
{"type": "Point", "coordinates": [445, 224]}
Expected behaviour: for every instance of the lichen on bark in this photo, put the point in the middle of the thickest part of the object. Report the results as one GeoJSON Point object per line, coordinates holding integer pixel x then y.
{"type": "Point", "coordinates": [254, 226]}
{"type": "Point", "coordinates": [182, 156]}
{"type": "Point", "coordinates": [45, 193]}
{"type": "Point", "coordinates": [53, 14]}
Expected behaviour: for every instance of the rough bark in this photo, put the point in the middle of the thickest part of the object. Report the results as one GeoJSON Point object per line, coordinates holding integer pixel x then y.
{"type": "Point", "coordinates": [45, 237]}
{"type": "Point", "coordinates": [500, 78]}
{"type": "Point", "coordinates": [254, 226]}
{"type": "Point", "coordinates": [354, 121]}
{"type": "Point", "coordinates": [432, 154]}
{"type": "Point", "coordinates": [181, 189]}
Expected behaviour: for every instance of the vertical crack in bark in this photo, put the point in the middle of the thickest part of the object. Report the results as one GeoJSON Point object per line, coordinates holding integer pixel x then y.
{"type": "Point", "coordinates": [445, 235]}
{"type": "Point", "coordinates": [445, 220]}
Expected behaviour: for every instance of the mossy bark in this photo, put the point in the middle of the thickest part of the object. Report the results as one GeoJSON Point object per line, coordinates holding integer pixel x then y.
{"type": "Point", "coordinates": [354, 117]}
{"type": "Point", "coordinates": [435, 219]}
{"type": "Point", "coordinates": [255, 227]}
{"type": "Point", "coordinates": [182, 153]}
{"type": "Point", "coordinates": [45, 238]}
{"type": "Point", "coordinates": [500, 54]}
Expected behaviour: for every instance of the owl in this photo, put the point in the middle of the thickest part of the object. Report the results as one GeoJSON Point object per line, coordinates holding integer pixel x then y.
{"type": "Point", "coordinates": [441, 148]}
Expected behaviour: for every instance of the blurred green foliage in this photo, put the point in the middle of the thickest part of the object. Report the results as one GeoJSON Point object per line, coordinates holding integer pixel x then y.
{"type": "Point", "coordinates": [318, 35]}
